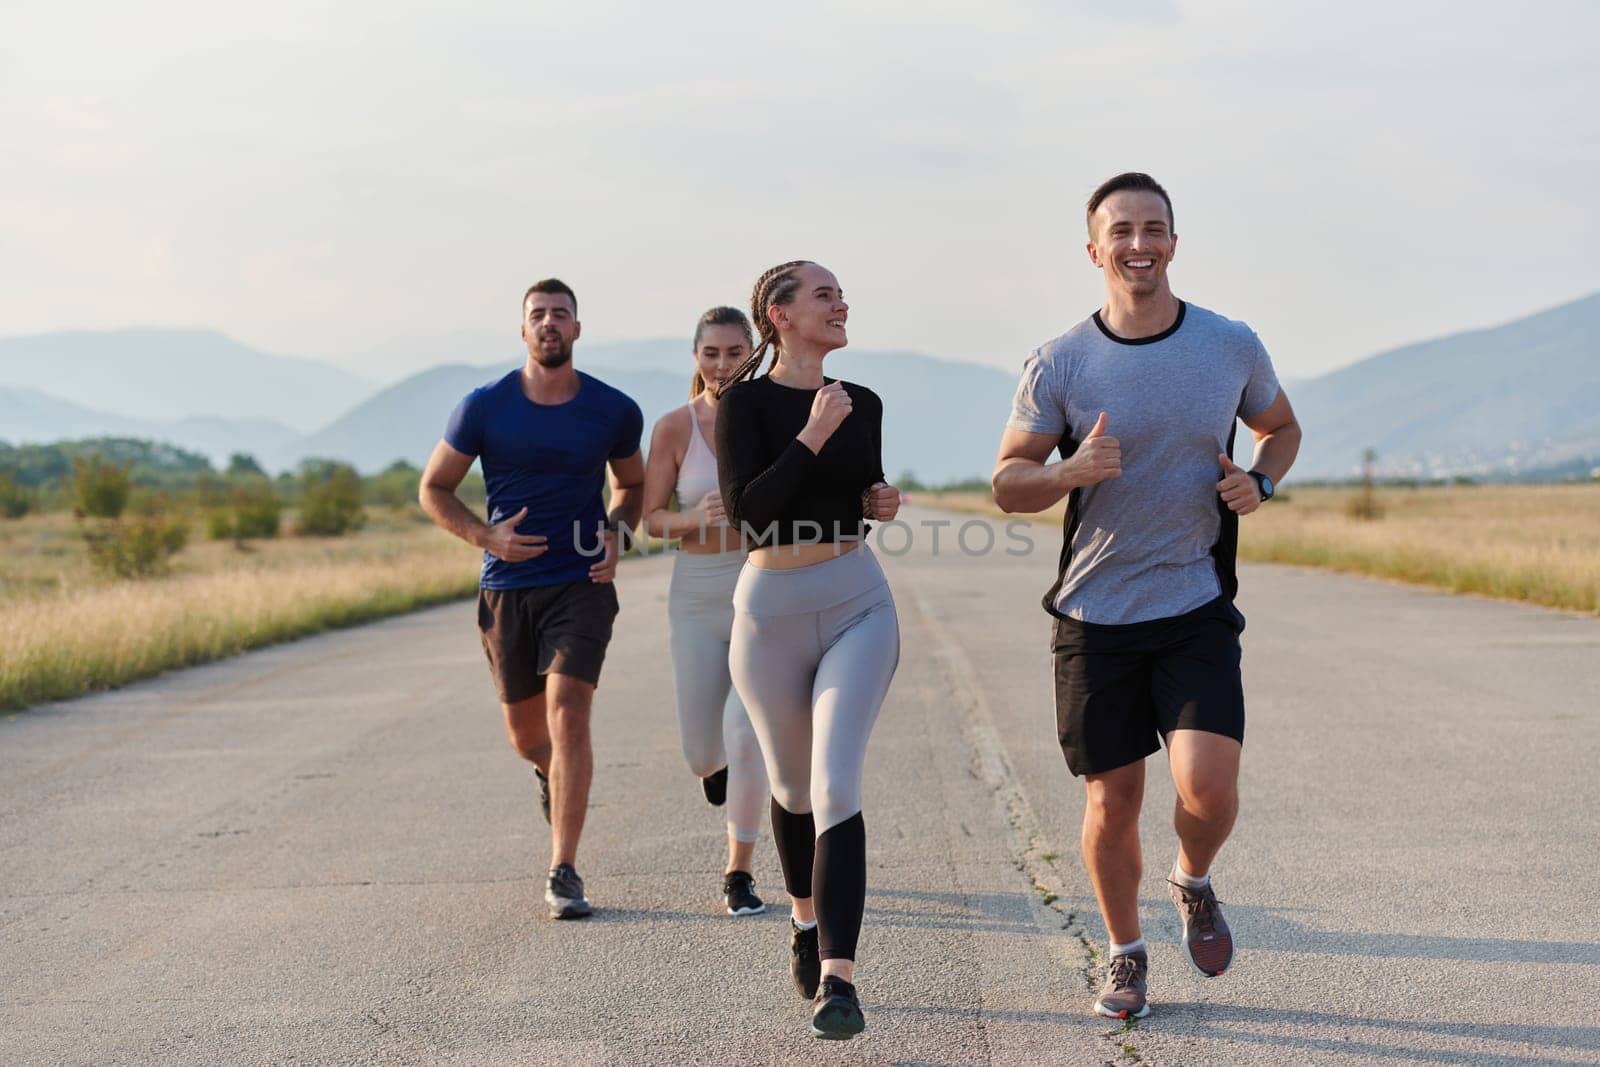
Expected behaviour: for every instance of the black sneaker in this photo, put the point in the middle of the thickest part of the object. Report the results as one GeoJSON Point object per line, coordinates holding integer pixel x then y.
{"type": "Point", "coordinates": [805, 965]}
{"type": "Point", "coordinates": [716, 787]}
{"type": "Point", "coordinates": [740, 890]}
{"type": "Point", "coordinates": [564, 894]}
{"type": "Point", "coordinates": [837, 1015]}
{"type": "Point", "coordinates": [544, 793]}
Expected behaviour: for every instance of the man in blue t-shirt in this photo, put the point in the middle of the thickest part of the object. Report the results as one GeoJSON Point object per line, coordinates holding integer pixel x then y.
{"type": "Point", "coordinates": [1141, 400]}
{"type": "Point", "coordinates": [545, 434]}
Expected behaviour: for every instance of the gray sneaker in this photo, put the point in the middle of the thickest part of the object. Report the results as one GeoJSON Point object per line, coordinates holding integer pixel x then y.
{"type": "Point", "coordinates": [1207, 941]}
{"type": "Point", "coordinates": [1123, 995]}
{"type": "Point", "coordinates": [564, 894]}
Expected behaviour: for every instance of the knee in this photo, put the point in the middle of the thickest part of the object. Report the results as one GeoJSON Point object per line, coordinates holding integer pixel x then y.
{"type": "Point", "coordinates": [531, 745]}
{"type": "Point", "coordinates": [1112, 807]}
{"type": "Point", "coordinates": [791, 798]}
{"type": "Point", "coordinates": [569, 722]}
{"type": "Point", "coordinates": [1208, 796]}
{"type": "Point", "coordinates": [703, 760]}
{"type": "Point", "coordinates": [832, 803]}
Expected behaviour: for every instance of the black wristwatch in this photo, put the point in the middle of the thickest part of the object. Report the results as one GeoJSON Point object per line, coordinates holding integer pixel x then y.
{"type": "Point", "coordinates": [1264, 484]}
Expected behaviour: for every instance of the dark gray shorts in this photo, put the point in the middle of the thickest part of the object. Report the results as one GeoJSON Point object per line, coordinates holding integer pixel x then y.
{"type": "Point", "coordinates": [545, 629]}
{"type": "Point", "coordinates": [1120, 690]}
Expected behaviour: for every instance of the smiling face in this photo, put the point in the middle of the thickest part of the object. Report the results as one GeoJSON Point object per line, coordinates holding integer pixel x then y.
{"type": "Point", "coordinates": [720, 349]}
{"type": "Point", "coordinates": [815, 318]}
{"type": "Point", "coordinates": [549, 326]}
{"type": "Point", "coordinates": [1131, 239]}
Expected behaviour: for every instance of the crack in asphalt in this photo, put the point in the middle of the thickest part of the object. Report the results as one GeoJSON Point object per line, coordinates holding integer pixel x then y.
{"type": "Point", "coordinates": [991, 766]}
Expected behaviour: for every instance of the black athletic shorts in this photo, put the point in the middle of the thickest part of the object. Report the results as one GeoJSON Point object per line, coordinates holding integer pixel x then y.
{"type": "Point", "coordinates": [545, 629]}
{"type": "Point", "coordinates": [1121, 689]}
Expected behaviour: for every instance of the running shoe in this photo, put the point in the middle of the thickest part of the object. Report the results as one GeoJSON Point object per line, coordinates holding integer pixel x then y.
{"type": "Point", "coordinates": [740, 891]}
{"type": "Point", "coordinates": [544, 793]}
{"type": "Point", "coordinates": [564, 894]}
{"type": "Point", "coordinates": [1123, 995]}
{"type": "Point", "coordinates": [805, 964]}
{"type": "Point", "coordinates": [1207, 941]}
{"type": "Point", "coordinates": [716, 787]}
{"type": "Point", "coordinates": [837, 1015]}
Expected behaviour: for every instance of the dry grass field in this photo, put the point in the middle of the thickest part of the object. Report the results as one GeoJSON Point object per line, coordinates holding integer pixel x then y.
{"type": "Point", "coordinates": [64, 630]}
{"type": "Point", "coordinates": [1537, 543]}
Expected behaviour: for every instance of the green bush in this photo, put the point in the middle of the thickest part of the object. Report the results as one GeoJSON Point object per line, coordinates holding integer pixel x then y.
{"type": "Point", "coordinates": [330, 503]}
{"type": "Point", "coordinates": [219, 524]}
{"type": "Point", "coordinates": [137, 547]}
{"type": "Point", "coordinates": [15, 501]}
{"type": "Point", "coordinates": [256, 513]}
{"type": "Point", "coordinates": [396, 487]}
{"type": "Point", "coordinates": [99, 487]}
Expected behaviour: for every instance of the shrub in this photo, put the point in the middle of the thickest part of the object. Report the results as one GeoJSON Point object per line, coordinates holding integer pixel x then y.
{"type": "Point", "coordinates": [15, 501]}
{"type": "Point", "coordinates": [219, 524]}
{"type": "Point", "coordinates": [396, 487]}
{"type": "Point", "coordinates": [138, 547]}
{"type": "Point", "coordinates": [99, 487]}
{"type": "Point", "coordinates": [256, 513]}
{"type": "Point", "coordinates": [1364, 506]}
{"type": "Point", "coordinates": [331, 502]}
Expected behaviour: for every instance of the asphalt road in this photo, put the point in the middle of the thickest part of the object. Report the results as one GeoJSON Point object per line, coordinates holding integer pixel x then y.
{"type": "Point", "coordinates": [325, 852]}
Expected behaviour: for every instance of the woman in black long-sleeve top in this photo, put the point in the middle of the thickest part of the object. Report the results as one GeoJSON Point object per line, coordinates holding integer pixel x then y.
{"type": "Point", "coordinates": [815, 636]}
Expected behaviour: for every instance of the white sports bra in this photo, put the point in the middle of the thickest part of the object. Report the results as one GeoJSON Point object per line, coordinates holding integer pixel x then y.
{"type": "Point", "coordinates": [698, 475]}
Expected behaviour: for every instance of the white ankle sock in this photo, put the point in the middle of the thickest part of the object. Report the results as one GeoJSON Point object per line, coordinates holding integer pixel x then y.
{"type": "Point", "coordinates": [1131, 946]}
{"type": "Point", "coordinates": [798, 925]}
{"type": "Point", "coordinates": [1183, 877]}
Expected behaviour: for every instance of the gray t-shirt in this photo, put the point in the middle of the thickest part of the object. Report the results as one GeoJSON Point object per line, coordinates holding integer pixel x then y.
{"type": "Point", "coordinates": [1156, 541]}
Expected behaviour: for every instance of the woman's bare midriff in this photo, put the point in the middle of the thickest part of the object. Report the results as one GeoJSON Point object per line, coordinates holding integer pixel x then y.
{"type": "Point", "coordinates": [788, 557]}
{"type": "Point", "coordinates": [714, 541]}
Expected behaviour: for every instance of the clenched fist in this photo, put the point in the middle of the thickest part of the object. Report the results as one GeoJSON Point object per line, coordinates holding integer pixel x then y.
{"type": "Point", "coordinates": [829, 408]}
{"type": "Point", "coordinates": [1098, 457]}
{"type": "Point", "coordinates": [1238, 488]}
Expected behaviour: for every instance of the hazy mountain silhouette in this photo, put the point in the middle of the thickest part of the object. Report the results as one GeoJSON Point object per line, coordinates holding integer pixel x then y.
{"type": "Point", "coordinates": [1511, 398]}
{"type": "Point", "coordinates": [31, 417]}
{"type": "Point", "coordinates": [166, 374]}
{"type": "Point", "coordinates": [1519, 397]}
{"type": "Point", "coordinates": [942, 420]}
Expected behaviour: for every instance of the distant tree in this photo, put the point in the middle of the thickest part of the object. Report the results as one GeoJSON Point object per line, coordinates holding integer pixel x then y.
{"type": "Point", "coordinates": [15, 500]}
{"type": "Point", "coordinates": [330, 499]}
{"type": "Point", "coordinates": [908, 481]}
{"type": "Point", "coordinates": [244, 463]}
{"type": "Point", "coordinates": [396, 487]}
{"type": "Point", "coordinates": [99, 486]}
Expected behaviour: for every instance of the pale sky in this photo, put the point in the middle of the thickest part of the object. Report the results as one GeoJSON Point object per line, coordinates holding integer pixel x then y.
{"type": "Point", "coordinates": [319, 178]}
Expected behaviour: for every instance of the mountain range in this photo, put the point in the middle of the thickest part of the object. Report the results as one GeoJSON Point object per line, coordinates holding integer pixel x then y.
{"type": "Point", "coordinates": [1496, 402]}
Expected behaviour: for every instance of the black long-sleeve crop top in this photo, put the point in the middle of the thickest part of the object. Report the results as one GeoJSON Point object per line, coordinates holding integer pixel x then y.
{"type": "Point", "coordinates": [774, 487]}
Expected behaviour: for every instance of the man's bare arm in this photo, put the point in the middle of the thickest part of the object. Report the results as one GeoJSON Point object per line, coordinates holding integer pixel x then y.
{"type": "Point", "coordinates": [1277, 434]}
{"type": "Point", "coordinates": [437, 495]}
{"type": "Point", "coordinates": [627, 491]}
{"type": "Point", "coordinates": [1024, 482]}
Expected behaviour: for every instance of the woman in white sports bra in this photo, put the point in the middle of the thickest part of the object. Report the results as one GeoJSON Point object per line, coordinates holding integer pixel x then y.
{"type": "Point", "coordinates": [718, 741]}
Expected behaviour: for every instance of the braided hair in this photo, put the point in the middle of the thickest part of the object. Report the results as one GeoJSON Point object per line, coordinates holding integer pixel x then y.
{"type": "Point", "coordinates": [776, 286]}
{"type": "Point", "coordinates": [717, 316]}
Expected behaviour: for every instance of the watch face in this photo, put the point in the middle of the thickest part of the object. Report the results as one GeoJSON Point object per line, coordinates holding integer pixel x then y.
{"type": "Point", "coordinates": [1267, 487]}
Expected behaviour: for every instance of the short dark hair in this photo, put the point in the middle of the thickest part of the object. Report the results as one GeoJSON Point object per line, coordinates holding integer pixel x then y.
{"type": "Point", "coordinates": [551, 285]}
{"type": "Point", "coordinates": [1133, 180]}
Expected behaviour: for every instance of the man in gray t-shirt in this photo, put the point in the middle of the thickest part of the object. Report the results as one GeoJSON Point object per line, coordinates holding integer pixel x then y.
{"type": "Point", "coordinates": [1141, 400]}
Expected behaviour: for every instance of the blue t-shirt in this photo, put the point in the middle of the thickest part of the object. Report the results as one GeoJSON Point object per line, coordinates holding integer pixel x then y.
{"type": "Point", "coordinates": [551, 459]}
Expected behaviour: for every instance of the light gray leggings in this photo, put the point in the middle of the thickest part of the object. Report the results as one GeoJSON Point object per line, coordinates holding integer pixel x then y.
{"type": "Point", "coordinates": [712, 722]}
{"type": "Point", "coordinates": [814, 649]}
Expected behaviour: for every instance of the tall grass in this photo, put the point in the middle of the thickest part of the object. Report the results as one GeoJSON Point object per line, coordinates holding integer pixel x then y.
{"type": "Point", "coordinates": [1534, 543]}
{"type": "Point", "coordinates": [61, 637]}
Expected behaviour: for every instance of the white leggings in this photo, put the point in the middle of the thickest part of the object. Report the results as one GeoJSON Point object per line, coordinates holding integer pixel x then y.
{"type": "Point", "coordinates": [814, 650]}
{"type": "Point", "coordinates": [712, 722]}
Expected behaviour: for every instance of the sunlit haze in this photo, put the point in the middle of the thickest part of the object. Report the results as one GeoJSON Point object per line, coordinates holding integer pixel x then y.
{"type": "Point", "coordinates": [320, 180]}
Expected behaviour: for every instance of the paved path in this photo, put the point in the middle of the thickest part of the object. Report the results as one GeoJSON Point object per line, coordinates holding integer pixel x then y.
{"type": "Point", "coordinates": [325, 852]}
